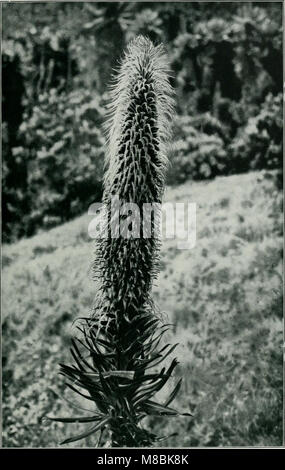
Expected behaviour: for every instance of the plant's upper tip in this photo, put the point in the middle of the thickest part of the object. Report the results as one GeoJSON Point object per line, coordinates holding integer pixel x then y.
{"type": "Point", "coordinates": [141, 39]}
{"type": "Point", "coordinates": [142, 42]}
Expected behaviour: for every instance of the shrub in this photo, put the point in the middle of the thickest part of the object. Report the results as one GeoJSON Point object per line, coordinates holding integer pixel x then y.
{"type": "Point", "coordinates": [36, 64]}
{"type": "Point", "coordinates": [197, 154]}
{"type": "Point", "coordinates": [63, 151]}
{"type": "Point", "coordinates": [204, 148]}
{"type": "Point", "coordinates": [259, 144]}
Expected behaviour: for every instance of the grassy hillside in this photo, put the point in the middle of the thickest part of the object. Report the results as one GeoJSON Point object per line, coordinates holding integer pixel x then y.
{"type": "Point", "coordinates": [224, 297]}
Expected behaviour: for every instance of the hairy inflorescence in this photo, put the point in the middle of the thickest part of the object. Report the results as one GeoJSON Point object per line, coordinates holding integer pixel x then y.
{"type": "Point", "coordinates": [116, 358]}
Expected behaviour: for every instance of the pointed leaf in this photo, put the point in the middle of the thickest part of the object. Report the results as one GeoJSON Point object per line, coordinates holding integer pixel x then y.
{"type": "Point", "coordinates": [86, 433]}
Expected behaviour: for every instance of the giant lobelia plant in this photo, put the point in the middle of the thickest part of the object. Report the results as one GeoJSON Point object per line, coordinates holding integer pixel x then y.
{"type": "Point", "coordinates": [116, 358]}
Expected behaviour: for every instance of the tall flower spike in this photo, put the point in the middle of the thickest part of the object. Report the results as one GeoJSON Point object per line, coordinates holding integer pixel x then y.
{"type": "Point", "coordinates": [122, 336]}
{"type": "Point", "coordinates": [138, 130]}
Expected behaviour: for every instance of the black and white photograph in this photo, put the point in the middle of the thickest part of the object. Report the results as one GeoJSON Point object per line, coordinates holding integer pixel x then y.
{"type": "Point", "coordinates": [142, 226]}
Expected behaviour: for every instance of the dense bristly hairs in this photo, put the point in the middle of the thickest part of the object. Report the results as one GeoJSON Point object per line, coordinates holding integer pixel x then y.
{"type": "Point", "coordinates": [120, 341]}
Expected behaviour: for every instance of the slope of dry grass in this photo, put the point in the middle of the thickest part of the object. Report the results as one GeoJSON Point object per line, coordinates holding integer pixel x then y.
{"type": "Point", "coordinates": [224, 297]}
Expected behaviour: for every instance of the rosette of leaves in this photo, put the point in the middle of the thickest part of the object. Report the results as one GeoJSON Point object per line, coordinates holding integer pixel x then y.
{"type": "Point", "coordinates": [116, 358]}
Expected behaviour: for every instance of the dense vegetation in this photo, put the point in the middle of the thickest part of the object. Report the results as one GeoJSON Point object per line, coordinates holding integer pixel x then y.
{"type": "Point", "coordinates": [224, 297]}
{"type": "Point", "coordinates": [226, 61]}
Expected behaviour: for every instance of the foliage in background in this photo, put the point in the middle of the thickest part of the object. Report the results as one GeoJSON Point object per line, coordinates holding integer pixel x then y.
{"type": "Point", "coordinates": [63, 148]}
{"type": "Point", "coordinates": [259, 144]}
{"type": "Point", "coordinates": [206, 147]}
{"type": "Point", "coordinates": [224, 296]}
{"type": "Point", "coordinates": [226, 61]}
